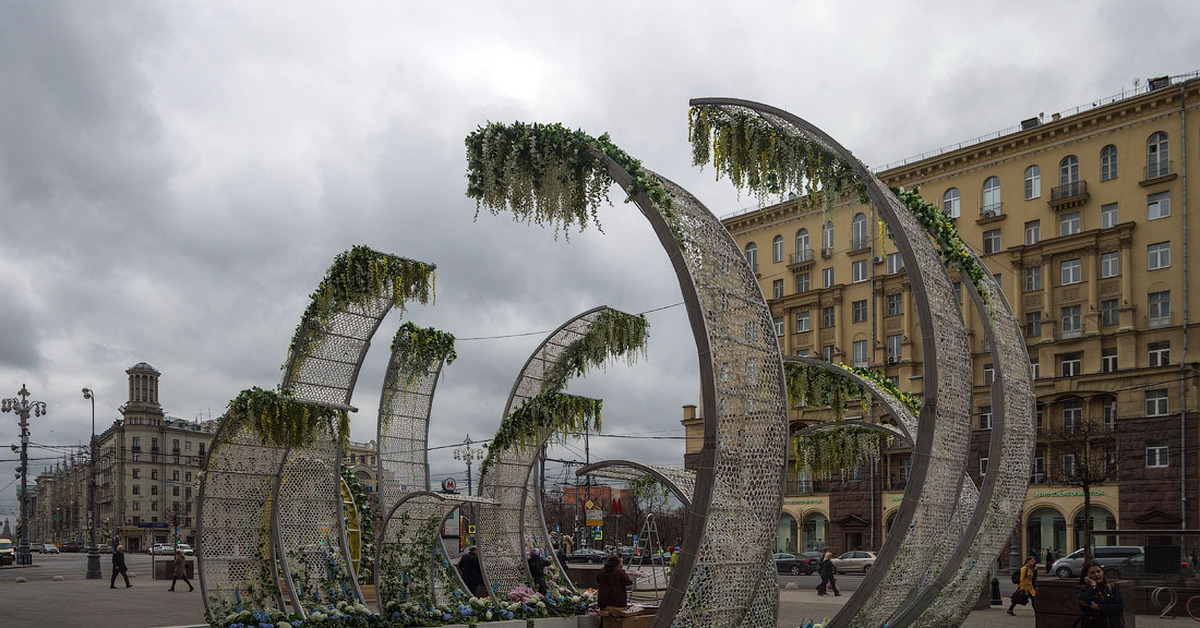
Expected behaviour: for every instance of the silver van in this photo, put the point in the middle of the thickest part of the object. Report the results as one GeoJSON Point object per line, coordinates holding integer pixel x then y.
{"type": "Point", "coordinates": [1069, 566]}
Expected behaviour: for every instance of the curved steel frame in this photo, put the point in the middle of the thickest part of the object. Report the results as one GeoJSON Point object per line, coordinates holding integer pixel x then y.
{"type": "Point", "coordinates": [681, 482]}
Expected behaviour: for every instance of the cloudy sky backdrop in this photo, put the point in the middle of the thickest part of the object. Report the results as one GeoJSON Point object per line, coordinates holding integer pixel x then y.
{"type": "Point", "coordinates": [176, 177]}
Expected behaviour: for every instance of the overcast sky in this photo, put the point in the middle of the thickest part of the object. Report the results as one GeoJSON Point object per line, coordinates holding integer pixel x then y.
{"type": "Point", "coordinates": [176, 177]}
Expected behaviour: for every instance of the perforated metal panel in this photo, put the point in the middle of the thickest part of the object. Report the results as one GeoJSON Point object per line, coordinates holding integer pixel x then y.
{"type": "Point", "coordinates": [681, 482]}
{"type": "Point", "coordinates": [403, 427]}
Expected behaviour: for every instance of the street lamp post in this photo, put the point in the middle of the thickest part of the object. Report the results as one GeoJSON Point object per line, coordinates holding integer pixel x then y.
{"type": "Point", "coordinates": [93, 562]}
{"type": "Point", "coordinates": [22, 407]}
{"type": "Point", "coordinates": [468, 454]}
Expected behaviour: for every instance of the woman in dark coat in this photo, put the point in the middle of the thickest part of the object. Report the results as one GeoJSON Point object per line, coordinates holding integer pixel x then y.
{"type": "Point", "coordinates": [827, 571]}
{"type": "Point", "coordinates": [611, 581]}
{"type": "Point", "coordinates": [1100, 603]}
{"type": "Point", "coordinates": [180, 571]}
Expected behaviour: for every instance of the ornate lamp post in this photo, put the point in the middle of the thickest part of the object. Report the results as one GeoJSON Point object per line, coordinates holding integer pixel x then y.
{"type": "Point", "coordinates": [22, 407]}
{"type": "Point", "coordinates": [93, 563]}
{"type": "Point", "coordinates": [468, 454]}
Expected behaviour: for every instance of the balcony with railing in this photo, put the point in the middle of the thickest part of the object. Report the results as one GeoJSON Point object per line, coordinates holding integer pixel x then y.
{"type": "Point", "coordinates": [1158, 172]}
{"type": "Point", "coordinates": [800, 259]}
{"type": "Point", "coordinates": [860, 244]}
{"type": "Point", "coordinates": [1069, 195]}
{"type": "Point", "coordinates": [1154, 322]}
{"type": "Point", "coordinates": [993, 211]}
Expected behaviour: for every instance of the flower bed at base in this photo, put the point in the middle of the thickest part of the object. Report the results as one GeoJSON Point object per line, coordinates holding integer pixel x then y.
{"type": "Point", "coordinates": [523, 604]}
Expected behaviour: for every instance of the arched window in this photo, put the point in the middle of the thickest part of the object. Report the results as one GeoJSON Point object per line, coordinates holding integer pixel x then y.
{"type": "Point", "coordinates": [858, 232]}
{"type": "Point", "coordinates": [950, 205]}
{"type": "Point", "coordinates": [1108, 162]}
{"type": "Point", "coordinates": [991, 197]}
{"type": "Point", "coordinates": [752, 256]}
{"type": "Point", "coordinates": [827, 235]}
{"type": "Point", "coordinates": [1068, 170]}
{"type": "Point", "coordinates": [777, 248]}
{"type": "Point", "coordinates": [1033, 182]}
{"type": "Point", "coordinates": [803, 253]}
{"type": "Point", "coordinates": [1158, 162]}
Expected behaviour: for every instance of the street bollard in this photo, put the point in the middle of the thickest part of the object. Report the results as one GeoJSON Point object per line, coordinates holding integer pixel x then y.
{"type": "Point", "coordinates": [996, 600]}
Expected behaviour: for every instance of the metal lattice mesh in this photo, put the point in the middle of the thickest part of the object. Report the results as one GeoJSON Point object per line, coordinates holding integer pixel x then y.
{"type": "Point", "coordinates": [403, 428]}
{"type": "Point", "coordinates": [515, 518]}
{"type": "Point", "coordinates": [310, 527]}
{"type": "Point", "coordinates": [234, 521]}
{"type": "Point", "coordinates": [681, 482]}
{"type": "Point", "coordinates": [328, 374]}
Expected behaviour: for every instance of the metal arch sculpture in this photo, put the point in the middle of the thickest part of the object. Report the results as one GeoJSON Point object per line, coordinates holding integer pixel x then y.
{"type": "Point", "coordinates": [681, 482]}
{"type": "Point", "coordinates": [903, 598]}
{"type": "Point", "coordinates": [514, 512]}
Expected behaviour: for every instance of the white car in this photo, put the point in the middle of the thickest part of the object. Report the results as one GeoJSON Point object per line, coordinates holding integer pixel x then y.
{"type": "Point", "coordinates": [856, 560]}
{"type": "Point", "coordinates": [48, 548]}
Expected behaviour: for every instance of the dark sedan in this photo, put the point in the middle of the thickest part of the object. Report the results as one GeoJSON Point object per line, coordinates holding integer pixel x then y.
{"type": "Point", "coordinates": [586, 555]}
{"type": "Point", "coordinates": [794, 565]}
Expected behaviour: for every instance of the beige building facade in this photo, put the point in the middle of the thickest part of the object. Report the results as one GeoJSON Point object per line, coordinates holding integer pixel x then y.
{"type": "Point", "coordinates": [1084, 218]}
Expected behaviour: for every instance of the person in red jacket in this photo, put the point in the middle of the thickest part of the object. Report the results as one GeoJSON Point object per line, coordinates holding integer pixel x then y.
{"type": "Point", "coordinates": [611, 581]}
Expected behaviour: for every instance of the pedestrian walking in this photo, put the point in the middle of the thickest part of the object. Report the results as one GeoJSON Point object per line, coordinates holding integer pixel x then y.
{"type": "Point", "coordinates": [1100, 603]}
{"type": "Point", "coordinates": [472, 574]}
{"type": "Point", "coordinates": [828, 575]}
{"type": "Point", "coordinates": [1026, 592]}
{"type": "Point", "coordinates": [180, 571]}
{"type": "Point", "coordinates": [1049, 559]}
{"type": "Point", "coordinates": [611, 581]}
{"type": "Point", "coordinates": [537, 569]}
{"type": "Point", "coordinates": [119, 567]}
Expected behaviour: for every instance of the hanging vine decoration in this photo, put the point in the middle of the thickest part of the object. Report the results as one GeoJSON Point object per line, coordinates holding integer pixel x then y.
{"type": "Point", "coordinates": [884, 382]}
{"type": "Point", "coordinates": [942, 229]}
{"type": "Point", "coordinates": [546, 173]}
{"type": "Point", "coordinates": [548, 415]}
{"type": "Point", "coordinates": [423, 347]}
{"type": "Point", "coordinates": [366, 525]}
{"type": "Point", "coordinates": [757, 156]}
{"type": "Point", "coordinates": [814, 386]}
{"type": "Point", "coordinates": [356, 277]}
{"type": "Point", "coordinates": [612, 334]}
{"type": "Point", "coordinates": [838, 450]}
{"type": "Point", "coordinates": [278, 419]}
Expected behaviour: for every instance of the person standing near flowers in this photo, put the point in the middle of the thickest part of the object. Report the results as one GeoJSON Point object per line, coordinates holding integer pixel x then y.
{"type": "Point", "coordinates": [537, 569]}
{"type": "Point", "coordinates": [472, 573]}
{"type": "Point", "coordinates": [180, 571]}
{"type": "Point", "coordinates": [611, 581]}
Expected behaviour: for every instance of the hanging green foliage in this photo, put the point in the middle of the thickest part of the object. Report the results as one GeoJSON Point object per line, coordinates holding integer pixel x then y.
{"type": "Point", "coordinates": [760, 157]}
{"type": "Point", "coordinates": [814, 386]}
{"type": "Point", "coordinates": [611, 335]}
{"type": "Point", "coordinates": [547, 173]}
{"type": "Point", "coordinates": [838, 450]}
{"type": "Point", "coordinates": [945, 234]}
{"type": "Point", "coordinates": [415, 350]}
{"type": "Point", "coordinates": [356, 277]}
{"type": "Point", "coordinates": [280, 420]}
{"type": "Point", "coordinates": [555, 416]}
{"type": "Point", "coordinates": [884, 382]}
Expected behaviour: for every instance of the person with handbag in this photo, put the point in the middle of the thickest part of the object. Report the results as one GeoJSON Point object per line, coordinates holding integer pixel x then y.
{"type": "Point", "coordinates": [1026, 592]}
{"type": "Point", "coordinates": [828, 575]}
{"type": "Point", "coordinates": [1100, 603]}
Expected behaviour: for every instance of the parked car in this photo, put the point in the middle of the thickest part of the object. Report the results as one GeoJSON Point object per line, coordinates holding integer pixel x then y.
{"type": "Point", "coordinates": [47, 548]}
{"type": "Point", "coordinates": [586, 555]}
{"type": "Point", "coordinates": [1069, 566]}
{"type": "Point", "coordinates": [795, 565]}
{"type": "Point", "coordinates": [856, 560]}
{"type": "Point", "coordinates": [161, 549]}
{"type": "Point", "coordinates": [186, 549]}
{"type": "Point", "coordinates": [7, 548]}
{"type": "Point", "coordinates": [104, 548]}
{"type": "Point", "coordinates": [71, 547]}
{"type": "Point", "coordinates": [1134, 567]}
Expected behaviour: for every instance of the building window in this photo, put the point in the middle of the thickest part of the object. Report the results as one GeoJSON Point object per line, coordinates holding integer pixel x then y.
{"type": "Point", "coordinates": [1156, 454]}
{"type": "Point", "coordinates": [175, 491]}
{"type": "Point", "coordinates": [1159, 312]}
{"type": "Point", "coordinates": [1158, 160]}
{"type": "Point", "coordinates": [895, 263]}
{"type": "Point", "coordinates": [858, 232]}
{"type": "Point", "coordinates": [1072, 321]}
{"type": "Point", "coordinates": [1158, 255]}
{"type": "Point", "coordinates": [827, 316]}
{"type": "Point", "coordinates": [752, 256]}
{"type": "Point", "coordinates": [1033, 324]}
{"type": "Point", "coordinates": [950, 203]}
{"type": "Point", "coordinates": [154, 444]}
{"type": "Point", "coordinates": [174, 444]}
{"type": "Point", "coordinates": [802, 252]}
{"type": "Point", "coordinates": [991, 197]}
{"type": "Point", "coordinates": [1072, 414]}
{"type": "Point", "coordinates": [154, 506]}
{"type": "Point", "coordinates": [895, 345]}
{"type": "Point", "coordinates": [860, 353]}
{"type": "Point", "coordinates": [1070, 272]}
{"type": "Point", "coordinates": [777, 288]}
{"type": "Point", "coordinates": [827, 277]}
{"type": "Point", "coordinates": [1068, 223]}
{"type": "Point", "coordinates": [859, 271]}
{"type": "Point", "coordinates": [1039, 470]}
{"type": "Point", "coordinates": [153, 474]}
{"type": "Point", "coordinates": [187, 445]}
{"type": "Point", "coordinates": [1033, 278]}
{"type": "Point", "coordinates": [1108, 412]}
{"type": "Point", "coordinates": [894, 304]}
{"type": "Point", "coordinates": [1068, 466]}
{"type": "Point", "coordinates": [1158, 205]}
{"type": "Point", "coordinates": [802, 322]}
{"type": "Point", "coordinates": [859, 311]}
{"type": "Point", "coordinates": [827, 353]}
{"type": "Point", "coordinates": [201, 449]}
{"type": "Point", "coordinates": [1040, 415]}
{"type": "Point", "coordinates": [154, 489]}
{"type": "Point", "coordinates": [137, 473]}
{"type": "Point", "coordinates": [1159, 353]}
{"type": "Point", "coordinates": [1035, 368]}
{"type": "Point", "coordinates": [1109, 313]}
{"type": "Point", "coordinates": [827, 235]}
{"type": "Point", "coordinates": [187, 477]}
{"type": "Point", "coordinates": [1108, 215]}
{"type": "Point", "coordinates": [1033, 182]}
{"type": "Point", "coordinates": [957, 286]}
{"type": "Point", "coordinates": [1110, 264]}
{"type": "Point", "coordinates": [1068, 173]}
{"type": "Point", "coordinates": [777, 248]}
{"type": "Point", "coordinates": [1108, 163]}
{"type": "Point", "coordinates": [137, 505]}
{"type": "Point", "coordinates": [137, 489]}
{"type": "Point", "coordinates": [137, 457]}
{"type": "Point", "coordinates": [1108, 360]}
{"type": "Point", "coordinates": [1156, 402]}
{"type": "Point", "coordinates": [803, 283]}
{"type": "Point", "coordinates": [989, 374]}
{"type": "Point", "coordinates": [991, 241]}
{"type": "Point", "coordinates": [1072, 364]}
{"type": "Point", "coordinates": [985, 417]}
{"type": "Point", "coordinates": [175, 475]}
{"type": "Point", "coordinates": [778, 331]}
{"type": "Point", "coordinates": [137, 442]}
{"type": "Point", "coordinates": [1033, 232]}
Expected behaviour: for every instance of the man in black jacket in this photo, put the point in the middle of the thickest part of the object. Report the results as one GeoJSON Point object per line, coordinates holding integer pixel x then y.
{"type": "Point", "coordinates": [119, 568]}
{"type": "Point", "coordinates": [472, 574]}
{"type": "Point", "coordinates": [537, 569]}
